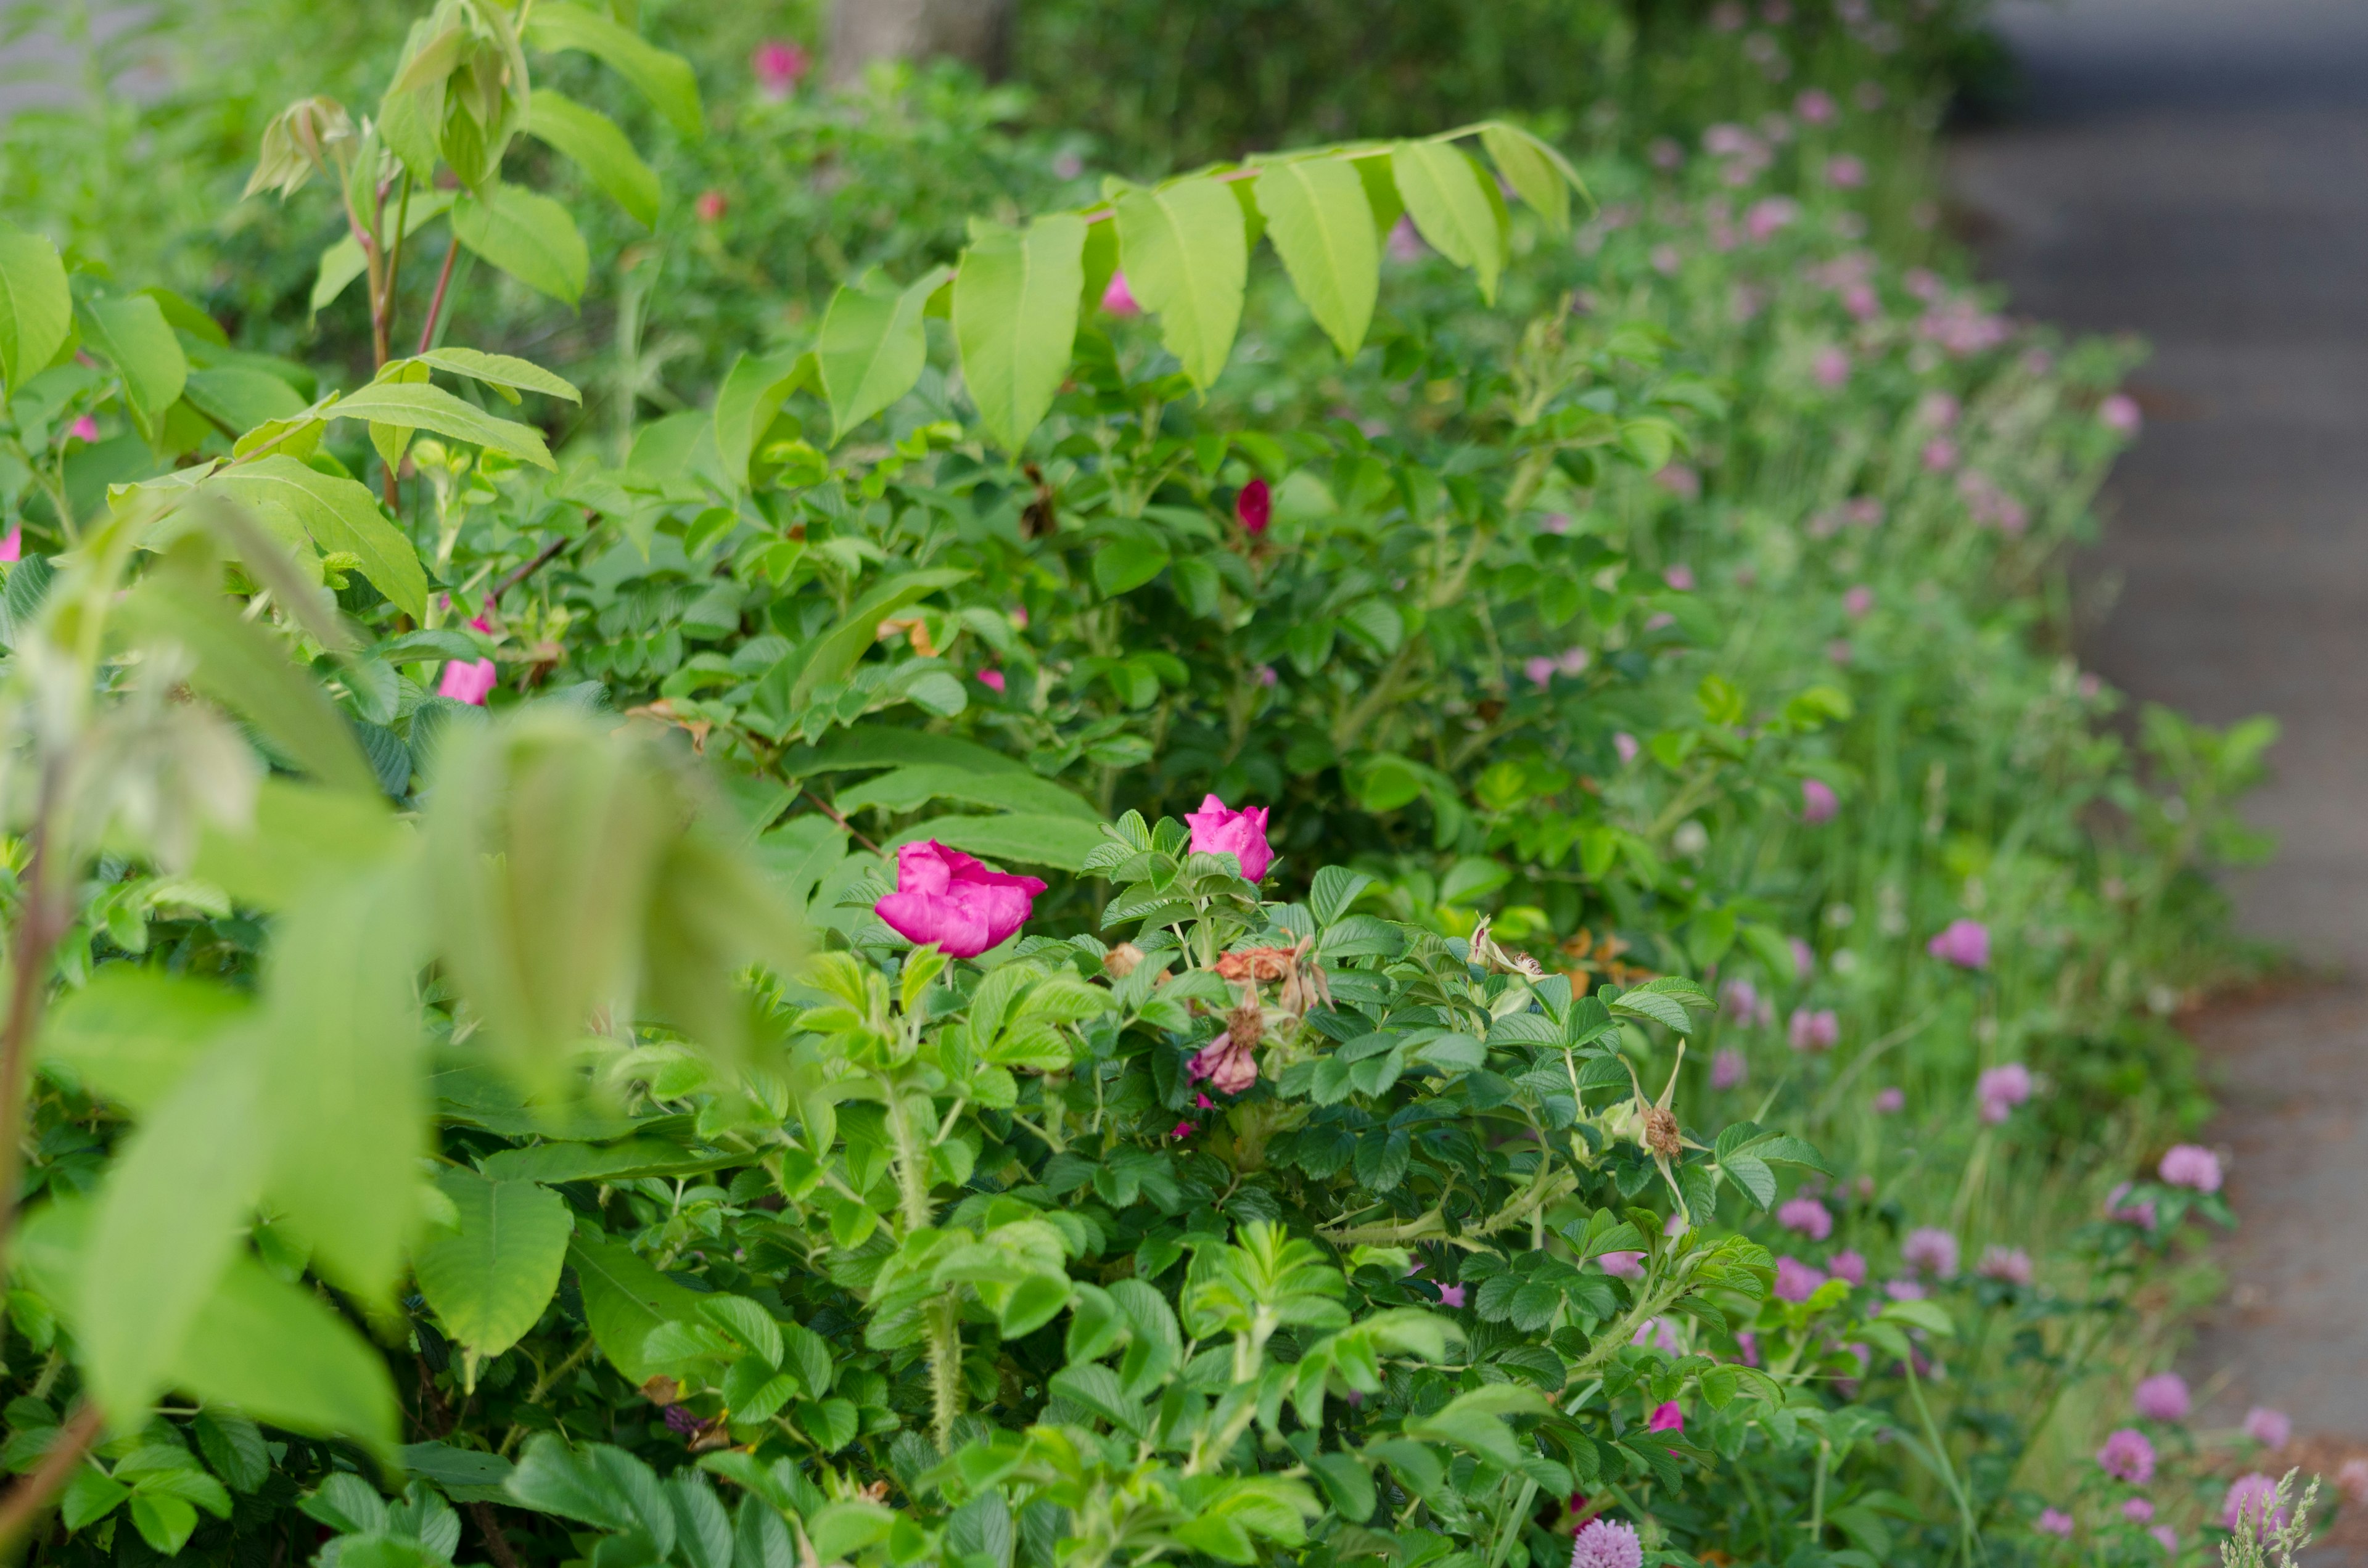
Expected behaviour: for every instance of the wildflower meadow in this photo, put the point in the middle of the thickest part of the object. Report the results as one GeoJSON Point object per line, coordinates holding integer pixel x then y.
{"type": "Point", "coordinates": [1154, 812]}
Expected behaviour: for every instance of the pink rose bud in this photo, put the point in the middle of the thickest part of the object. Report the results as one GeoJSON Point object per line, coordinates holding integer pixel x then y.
{"type": "Point", "coordinates": [86, 428]}
{"type": "Point", "coordinates": [1118, 299]}
{"type": "Point", "coordinates": [711, 206]}
{"type": "Point", "coordinates": [993, 680]}
{"type": "Point", "coordinates": [779, 66]}
{"type": "Point", "coordinates": [1254, 506]}
{"type": "Point", "coordinates": [1818, 802]}
{"type": "Point", "coordinates": [1218, 829]}
{"type": "Point", "coordinates": [468, 680]}
{"type": "Point", "coordinates": [944, 896]}
{"type": "Point", "coordinates": [13, 547]}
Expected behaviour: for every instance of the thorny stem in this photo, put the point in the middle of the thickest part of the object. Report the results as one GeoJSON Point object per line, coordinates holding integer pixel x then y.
{"type": "Point", "coordinates": [941, 1319]}
{"type": "Point", "coordinates": [38, 927]}
{"type": "Point", "coordinates": [30, 1499]}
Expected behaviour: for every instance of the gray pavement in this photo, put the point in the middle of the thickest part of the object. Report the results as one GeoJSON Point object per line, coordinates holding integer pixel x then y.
{"type": "Point", "coordinates": [2196, 171]}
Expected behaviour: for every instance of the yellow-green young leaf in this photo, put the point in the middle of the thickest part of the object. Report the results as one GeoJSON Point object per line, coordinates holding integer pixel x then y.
{"type": "Point", "coordinates": [241, 666]}
{"type": "Point", "coordinates": [624, 1298]}
{"type": "Point", "coordinates": [344, 262]}
{"type": "Point", "coordinates": [131, 331]}
{"type": "Point", "coordinates": [1186, 259]}
{"type": "Point", "coordinates": [36, 308]}
{"type": "Point", "coordinates": [421, 406]}
{"type": "Point", "coordinates": [341, 1046]}
{"type": "Point", "coordinates": [169, 1219]}
{"type": "Point", "coordinates": [506, 373]}
{"type": "Point", "coordinates": [666, 80]}
{"type": "Point", "coordinates": [1452, 206]}
{"type": "Point", "coordinates": [490, 1278]}
{"type": "Point", "coordinates": [598, 147]}
{"type": "Point", "coordinates": [1016, 318]}
{"type": "Point", "coordinates": [1532, 168]}
{"type": "Point", "coordinates": [1323, 227]}
{"type": "Point", "coordinates": [391, 441]}
{"type": "Point", "coordinates": [753, 392]}
{"type": "Point", "coordinates": [529, 237]}
{"type": "Point", "coordinates": [133, 1034]}
{"type": "Point", "coordinates": [337, 514]}
{"type": "Point", "coordinates": [873, 348]}
{"type": "Point", "coordinates": [277, 1352]}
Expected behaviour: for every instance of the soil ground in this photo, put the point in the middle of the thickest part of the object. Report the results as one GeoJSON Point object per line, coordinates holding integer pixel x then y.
{"type": "Point", "coordinates": [2196, 171]}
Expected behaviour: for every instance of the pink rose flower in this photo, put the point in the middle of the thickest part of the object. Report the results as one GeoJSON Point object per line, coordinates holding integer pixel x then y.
{"type": "Point", "coordinates": [779, 66]}
{"type": "Point", "coordinates": [1254, 506]}
{"type": "Point", "coordinates": [1218, 829]}
{"type": "Point", "coordinates": [1118, 299]}
{"type": "Point", "coordinates": [13, 547]}
{"type": "Point", "coordinates": [944, 896]}
{"type": "Point", "coordinates": [468, 680]}
{"type": "Point", "coordinates": [993, 680]}
{"type": "Point", "coordinates": [1621, 1265]}
{"type": "Point", "coordinates": [85, 430]}
{"type": "Point", "coordinates": [1451, 1295]}
{"type": "Point", "coordinates": [1668, 1418]}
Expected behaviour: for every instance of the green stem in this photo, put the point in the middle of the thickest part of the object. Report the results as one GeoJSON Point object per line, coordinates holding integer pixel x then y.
{"type": "Point", "coordinates": [941, 1322]}
{"type": "Point", "coordinates": [1970, 1538]}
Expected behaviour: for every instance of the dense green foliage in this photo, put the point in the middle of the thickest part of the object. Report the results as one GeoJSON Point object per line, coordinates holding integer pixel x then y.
{"type": "Point", "coordinates": [1710, 975]}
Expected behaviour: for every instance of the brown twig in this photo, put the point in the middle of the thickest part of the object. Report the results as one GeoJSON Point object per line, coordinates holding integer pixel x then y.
{"type": "Point", "coordinates": [31, 1497]}
{"type": "Point", "coordinates": [519, 573]}
{"type": "Point", "coordinates": [832, 812]}
{"type": "Point", "coordinates": [38, 930]}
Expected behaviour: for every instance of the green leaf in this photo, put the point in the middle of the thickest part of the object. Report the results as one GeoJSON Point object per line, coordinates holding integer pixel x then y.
{"type": "Point", "coordinates": [1015, 313]}
{"type": "Point", "coordinates": [36, 308]}
{"type": "Point", "coordinates": [1335, 888]}
{"type": "Point", "coordinates": [1321, 226]}
{"type": "Point", "coordinates": [664, 78]}
{"type": "Point", "coordinates": [165, 1522]}
{"type": "Point", "coordinates": [873, 347]}
{"type": "Point", "coordinates": [132, 1034]}
{"type": "Point", "coordinates": [417, 405]}
{"type": "Point", "coordinates": [341, 1044]}
{"type": "Point", "coordinates": [1453, 207]}
{"type": "Point", "coordinates": [1534, 169]}
{"type": "Point", "coordinates": [240, 398]}
{"type": "Point", "coordinates": [1128, 560]}
{"type": "Point", "coordinates": [504, 372]}
{"type": "Point", "coordinates": [490, 1278]}
{"type": "Point", "coordinates": [280, 1354]}
{"type": "Point", "coordinates": [337, 514]}
{"type": "Point", "coordinates": [169, 1219]}
{"type": "Point", "coordinates": [624, 1298]}
{"type": "Point", "coordinates": [751, 396]}
{"type": "Point", "coordinates": [598, 147]}
{"type": "Point", "coordinates": [90, 1496]}
{"type": "Point", "coordinates": [530, 237]}
{"type": "Point", "coordinates": [629, 1160]}
{"type": "Point", "coordinates": [1187, 258]}
{"type": "Point", "coordinates": [131, 331]}
{"type": "Point", "coordinates": [746, 1322]}
{"type": "Point", "coordinates": [908, 788]}
{"type": "Point", "coordinates": [1063, 841]}
{"type": "Point", "coordinates": [837, 652]}
{"type": "Point", "coordinates": [343, 262]}
{"type": "Point", "coordinates": [302, 834]}
{"type": "Point", "coordinates": [234, 1448]}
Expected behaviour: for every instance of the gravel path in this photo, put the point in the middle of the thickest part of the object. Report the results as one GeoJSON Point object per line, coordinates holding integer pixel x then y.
{"type": "Point", "coordinates": [2197, 171]}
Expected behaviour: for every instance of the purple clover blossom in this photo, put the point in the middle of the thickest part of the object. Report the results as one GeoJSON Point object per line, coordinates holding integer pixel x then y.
{"type": "Point", "coordinates": [2162, 1397]}
{"type": "Point", "coordinates": [1848, 1264]}
{"type": "Point", "coordinates": [2127, 1456]}
{"type": "Point", "coordinates": [1727, 1068]}
{"type": "Point", "coordinates": [1795, 1280]}
{"type": "Point", "coordinates": [2000, 1089]}
{"type": "Point", "coordinates": [1818, 801]}
{"type": "Point", "coordinates": [2165, 1537]}
{"type": "Point", "coordinates": [1965, 943]}
{"type": "Point", "coordinates": [2012, 1265]}
{"type": "Point", "coordinates": [2137, 1510]}
{"type": "Point", "coordinates": [2121, 413]}
{"type": "Point", "coordinates": [2140, 1213]}
{"type": "Point", "coordinates": [2252, 1504]}
{"type": "Point", "coordinates": [1607, 1543]}
{"type": "Point", "coordinates": [1929, 1250]}
{"type": "Point", "coordinates": [1806, 1215]}
{"type": "Point", "coordinates": [1817, 1030]}
{"type": "Point", "coordinates": [2270, 1428]}
{"type": "Point", "coordinates": [1890, 1101]}
{"type": "Point", "coordinates": [1903, 1291]}
{"type": "Point", "coordinates": [2190, 1165]}
{"type": "Point", "coordinates": [2054, 1521]}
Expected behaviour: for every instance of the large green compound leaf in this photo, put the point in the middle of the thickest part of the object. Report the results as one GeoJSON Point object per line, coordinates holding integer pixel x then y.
{"type": "Point", "coordinates": [1321, 226]}
{"type": "Point", "coordinates": [36, 308]}
{"type": "Point", "coordinates": [529, 237]}
{"type": "Point", "coordinates": [1015, 309]}
{"type": "Point", "coordinates": [336, 515]}
{"type": "Point", "coordinates": [420, 405]}
{"type": "Point", "coordinates": [664, 78]}
{"type": "Point", "coordinates": [1454, 207]}
{"type": "Point", "coordinates": [1541, 176]}
{"type": "Point", "coordinates": [1186, 254]}
{"type": "Point", "coordinates": [873, 348]}
{"type": "Point", "coordinates": [598, 147]}
{"type": "Point", "coordinates": [490, 1278]}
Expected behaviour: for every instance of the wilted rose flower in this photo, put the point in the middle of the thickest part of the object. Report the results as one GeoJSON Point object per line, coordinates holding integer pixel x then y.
{"type": "Point", "coordinates": [1254, 506]}
{"type": "Point", "coordinates": [2252, 1504]}
{"type": "Point", "coordinates": [2270, 1428]}
{"type": "Point", "coordinates": [2127, 1456]}
{"type": "Point", "coordinates": [1727, 1068]}
{"type": "Point", "coordinates": [1118, 299]}
{"type": "Point", "coordinates": [1931, 1251]}
{"type": "Point", "coordinates": [1218, 829]}
{"type": "Point", "coordinates": [1605, 1543]}
{"type": "Point", "coordinates": [2162, 1397]}
{"type": "Point", "coordinates": [1818, 802]}
{"type": "Point", "coordinates": [1795, 1280]}
{"type": "Point", "coordinates": [944, 896]}
{"type": "Point", "coordinates": [1806, 1215]}
{"type": "Point", "coordinates": [2009, 1263]}
{"type": "Point", "coordinates": [1228, 1063]}
{"type": "Point", "coordinates": [1965, 943]}
{"type": "Point", "coordinates": [2190, 1165]}
{"type": "Point", "coordinates": [779, 66]}
{"type": "Point", "coordinates": [1848, 1264]}
{"type": "Point", "coordinates": [2054, 1521]}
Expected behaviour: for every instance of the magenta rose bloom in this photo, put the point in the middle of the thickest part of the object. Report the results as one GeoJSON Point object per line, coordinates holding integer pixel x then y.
{"type": "Point", "coordinates": [1218, 829]}
{"type": "Point", "coordinates": [944, 896]}
{"type": "Point", "coordinates": [1254, 507]}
